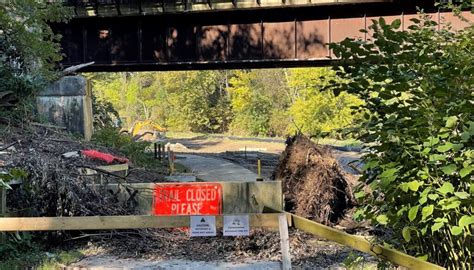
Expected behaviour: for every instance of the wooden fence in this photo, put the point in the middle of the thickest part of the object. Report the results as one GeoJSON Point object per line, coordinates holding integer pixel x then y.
{"type": "Point", "coordinates": [266, 197]}
{"type": "Point", "coordinates": [267, 220]}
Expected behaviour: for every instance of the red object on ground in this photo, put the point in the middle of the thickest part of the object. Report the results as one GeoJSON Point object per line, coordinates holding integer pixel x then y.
{"type": "Point", "coordinates": [187, 199]}
{"type": "Point", "coordinates": [94, 154]}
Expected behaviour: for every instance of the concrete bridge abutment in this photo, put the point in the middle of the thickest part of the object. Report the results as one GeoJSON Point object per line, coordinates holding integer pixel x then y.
{"type": "Point", "coordinates": [67, 103]}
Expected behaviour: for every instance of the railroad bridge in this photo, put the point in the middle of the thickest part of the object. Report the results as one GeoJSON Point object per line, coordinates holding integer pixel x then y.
{"type": "Point", "coordinates": [139, 35]}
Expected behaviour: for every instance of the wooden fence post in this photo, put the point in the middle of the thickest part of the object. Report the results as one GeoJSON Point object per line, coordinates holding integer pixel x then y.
{"type": "Point", "coordinates": [160, 151]}
{"type": "Point", "coordinates": [171, 160]}
{"type": "Point", "coordinates": [3, 202]}
{"type": "Point", "coordinates": [285, 242]}
{"type": "Point", "coordinates": [3, 210]}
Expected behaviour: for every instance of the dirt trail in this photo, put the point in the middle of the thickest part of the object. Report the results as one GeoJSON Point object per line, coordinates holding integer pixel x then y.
{"type": "Point", "coordinates": [212, 169]}
{"type": "Point", "coordinates": [107, 262]}
{"type": "Point", "coordinates": [246, 152]}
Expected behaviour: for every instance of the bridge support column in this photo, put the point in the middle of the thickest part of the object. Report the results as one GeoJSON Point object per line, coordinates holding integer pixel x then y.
{"type": "Point", "coordinates": [68, 103]}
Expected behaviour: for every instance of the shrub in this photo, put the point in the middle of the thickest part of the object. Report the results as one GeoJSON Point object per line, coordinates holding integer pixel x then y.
{"type": "Point", "coordinates": [29, 53]}
{"type": "Point", "coordinates": [134, 151]}
{"type": "Point", "coordinates": [417, 86]}
{"type": "Point", "coordinates": [105, 116]}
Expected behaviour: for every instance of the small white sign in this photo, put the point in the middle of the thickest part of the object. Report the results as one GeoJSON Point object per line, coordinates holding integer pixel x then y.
{"type": "Point", "coordinates": [236, 225]}
{"type": "Point", "coordinates": [203, 226]}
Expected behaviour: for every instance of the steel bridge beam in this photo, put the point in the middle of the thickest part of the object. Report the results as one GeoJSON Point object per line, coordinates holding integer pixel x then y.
{"type": "Point", "coordinates": [260, 38]}
{"type": "Point", "coordinates": [108, 8]}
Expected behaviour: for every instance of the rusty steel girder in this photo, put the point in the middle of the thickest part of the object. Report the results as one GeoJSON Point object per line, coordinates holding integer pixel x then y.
{"type": "Point", "coordinates": [108, 8]}
{"type": "Point", "coordinates": [260, 38]}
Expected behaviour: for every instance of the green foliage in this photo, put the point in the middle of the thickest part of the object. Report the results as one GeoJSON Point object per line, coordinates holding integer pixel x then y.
{"type": "Point", "coordinates": [292, 101]}
{"type": "Point", "coordinates": [181, 101]}
{"type": "Point", "coordinates": [355, 261]}
{"type": "Point", "coordinates": [14, 244]}
{"type": "Point", "coordinates": [197, 101]}
{"type": "Point", "coordinates": [256, 102]}
{"type": "Point", "coordinates": [315, 111]}
{"type": "Point", "coordinates": [12, 174]}
{"type": "Point", "coordinates": [134, 151]}
{"type": "Point", "coordinates": [35, 257]}
{"type": "Point", "coordinates": [105, 116]}
{"type": "Point", "coordinates": [29, 48]}
{"type": "Point", "coordinates": [418, 89]}
{"type": "Point", "coordinates": [59, 259]}
{"type": "Point", "coordinates": [250, 106]}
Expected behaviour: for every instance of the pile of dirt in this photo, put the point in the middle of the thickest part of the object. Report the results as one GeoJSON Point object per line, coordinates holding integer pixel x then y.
{"type": "Point", "coordinates": [314, 184]}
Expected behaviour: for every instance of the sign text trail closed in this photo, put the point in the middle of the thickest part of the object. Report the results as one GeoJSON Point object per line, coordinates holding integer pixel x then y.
{"type": "Point", "coordinates": [187, 199]}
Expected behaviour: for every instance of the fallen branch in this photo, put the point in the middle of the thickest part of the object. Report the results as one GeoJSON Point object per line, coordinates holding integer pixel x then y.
{"type": "Point", "coordinates": [355, 168]}
{"type": "Point", "coordinates": [8, 146]}
{"type": "Point", "coordinates": [48, 126]}
{"type": "Point", "coordinates": [89, 235]}
{"type": "Point", "coordinates": [62, 140]}
{"type": "Point", "coordinates": [102, 171]}
{"type": "Point", "coordinates": [74, 69]}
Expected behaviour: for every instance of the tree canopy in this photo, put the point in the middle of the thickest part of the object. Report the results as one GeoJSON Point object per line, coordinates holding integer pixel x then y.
{"type": "Point", "coordinates": [273, 102]}
{"type": "Point", "coordinates": [29, 49]}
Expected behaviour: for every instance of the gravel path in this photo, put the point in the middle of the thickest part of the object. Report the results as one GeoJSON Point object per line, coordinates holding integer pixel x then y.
{"type": "Point", "coordinates": [213, 169]}
{"type": "Point", "coordinates": [108, 262]}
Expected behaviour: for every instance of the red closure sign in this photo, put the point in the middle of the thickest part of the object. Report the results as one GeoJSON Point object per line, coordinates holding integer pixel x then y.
{"type": "Point", "coordinates": [187, 199]}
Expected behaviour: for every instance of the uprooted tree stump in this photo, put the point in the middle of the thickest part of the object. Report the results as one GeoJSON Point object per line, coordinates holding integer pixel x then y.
{"type": "Point", "coordinates": [314, 184]}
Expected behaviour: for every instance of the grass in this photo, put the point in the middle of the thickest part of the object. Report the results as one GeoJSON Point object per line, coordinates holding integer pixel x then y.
{"type": "Point", "coordinates": [179, 168]}
{"type": "Point", "coordinates": [42, 260]}
{"type": "Point", "coordinates": [355, 261]}
{"type": "Point", "coordinates": [58, 260]}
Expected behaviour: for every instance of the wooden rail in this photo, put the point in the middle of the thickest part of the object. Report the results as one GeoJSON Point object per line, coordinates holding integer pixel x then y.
{"type": "Point", "coordinates": [117, 222]}
{"type": "Point", "coordinates": [268, 220]}
{"type": "Point", "coordinates": [361, 244]}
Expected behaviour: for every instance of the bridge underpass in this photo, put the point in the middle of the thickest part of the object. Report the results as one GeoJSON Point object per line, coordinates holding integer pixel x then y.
{"type": "Point", "coordinates": [156, 35]}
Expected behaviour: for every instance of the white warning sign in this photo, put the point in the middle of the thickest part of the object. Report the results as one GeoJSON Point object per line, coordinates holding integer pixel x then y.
{"type": "Point", "coordinates": [203, 226]}
{"type": "Point", "coordinates": [236, 225]}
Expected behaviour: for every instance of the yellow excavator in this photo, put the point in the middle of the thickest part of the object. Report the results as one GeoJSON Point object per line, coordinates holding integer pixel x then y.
{"type": "Point", "coordinates": [147, 131]}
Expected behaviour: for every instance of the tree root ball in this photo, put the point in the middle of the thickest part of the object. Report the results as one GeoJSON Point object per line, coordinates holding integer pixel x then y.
{"type": "Point", "coordinates": [314, 184]}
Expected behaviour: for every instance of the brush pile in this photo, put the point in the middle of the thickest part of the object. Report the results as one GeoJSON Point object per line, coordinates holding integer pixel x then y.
{"type": "Point", "coordinates": [314, 184]}
{"type": "Point", "coordinates": [53, 185]}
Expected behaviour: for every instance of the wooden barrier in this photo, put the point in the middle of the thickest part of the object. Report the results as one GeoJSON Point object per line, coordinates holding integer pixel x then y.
{"type": "Point", "coordinates": [118, 222]}
{"type": "Point", "coordinates": [237, 197]}
{"type": "Point", "coordinates": [361, 244]}
{"type": "Point", "coordinates": [269, 220]}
